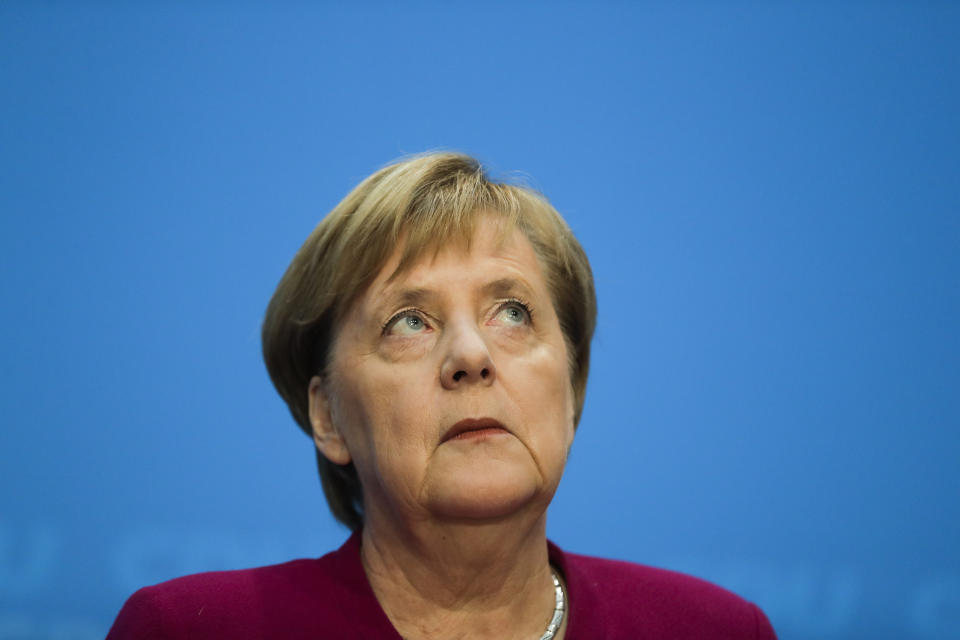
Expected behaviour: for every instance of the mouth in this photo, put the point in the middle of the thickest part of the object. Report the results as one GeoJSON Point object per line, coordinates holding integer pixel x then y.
{"type": "Point", "coordinates": [474, 428]}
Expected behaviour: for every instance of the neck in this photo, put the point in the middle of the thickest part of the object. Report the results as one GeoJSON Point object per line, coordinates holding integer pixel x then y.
{"type": "Point", "coordinates": [461, 579]}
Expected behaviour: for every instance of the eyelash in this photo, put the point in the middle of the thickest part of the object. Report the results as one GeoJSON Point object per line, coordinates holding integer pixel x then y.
{"type": "Point", "coordinates": [520, 303]}
{"type": "Point", "coordinates": [414, 311]}
{"type": "Point", "coordinates": [400, 314]}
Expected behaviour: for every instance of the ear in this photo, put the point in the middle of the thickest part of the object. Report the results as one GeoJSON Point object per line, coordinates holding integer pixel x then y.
{"type": "Point", "coordinates": [325, 434]}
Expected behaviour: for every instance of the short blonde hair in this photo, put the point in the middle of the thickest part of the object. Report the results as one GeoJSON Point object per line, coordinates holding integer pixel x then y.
{"type": "Point", "coordinates": [425, 202]}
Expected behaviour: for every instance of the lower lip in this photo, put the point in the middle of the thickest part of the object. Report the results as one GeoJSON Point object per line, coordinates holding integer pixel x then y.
{"type": "Point", "coordinates": [479, 434]}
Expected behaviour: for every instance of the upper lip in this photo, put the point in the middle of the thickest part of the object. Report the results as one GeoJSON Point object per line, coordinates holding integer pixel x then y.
{"type": "Point", "coordinates": [472, 424]}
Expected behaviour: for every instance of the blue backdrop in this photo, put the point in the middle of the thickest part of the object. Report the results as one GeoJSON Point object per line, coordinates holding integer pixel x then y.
{"type": "Point", "coordinates": [768, 192]}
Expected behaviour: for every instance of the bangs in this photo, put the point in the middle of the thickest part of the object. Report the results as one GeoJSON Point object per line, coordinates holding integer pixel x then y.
{"type": "Point", "coordinates": [422, 214]}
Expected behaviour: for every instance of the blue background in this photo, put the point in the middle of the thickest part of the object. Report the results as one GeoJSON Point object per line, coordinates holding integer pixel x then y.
{"type": "Point", "coordinates": [768, 193]}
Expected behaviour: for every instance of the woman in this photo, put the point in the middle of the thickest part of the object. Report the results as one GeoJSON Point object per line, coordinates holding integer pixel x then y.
{"type": "Point", "coordinates": [432, 336]}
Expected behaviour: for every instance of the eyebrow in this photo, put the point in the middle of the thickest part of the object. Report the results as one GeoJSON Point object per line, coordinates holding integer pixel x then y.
{"type": "Point", "coordinates": [504, 287]}
{"type": "Point", "coordinates": [420, 296]}
{"type": "Point", "coordinates": [406, 297]}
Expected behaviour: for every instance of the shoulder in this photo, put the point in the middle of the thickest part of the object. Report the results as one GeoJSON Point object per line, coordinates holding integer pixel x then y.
{"type": "Point", "coordinates": [213, 604]}
{"type": "Point", "coordinates": [631, 579]}
{"type": "Point", "coordinates": [317, 597]}
{"type": "Point", "coordinates": [621, 596]}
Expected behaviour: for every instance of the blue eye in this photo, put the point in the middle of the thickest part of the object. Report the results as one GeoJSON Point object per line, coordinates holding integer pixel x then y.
{"type": "Point", "coordinates": [514, 314]}
{"type": "Point", "coordinates": [406, 323]}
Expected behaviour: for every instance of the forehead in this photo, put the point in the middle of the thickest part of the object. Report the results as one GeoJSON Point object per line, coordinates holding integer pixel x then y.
{"type": "Point", "coordinates": [493, 251]}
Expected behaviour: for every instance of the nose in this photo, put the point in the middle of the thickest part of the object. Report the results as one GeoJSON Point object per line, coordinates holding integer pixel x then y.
{"type": "Point", "coordinates": [466, 359]}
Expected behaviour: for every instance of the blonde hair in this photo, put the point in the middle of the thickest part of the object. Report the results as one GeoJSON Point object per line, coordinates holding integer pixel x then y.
{"type": "Point", "coordinates": [425, 202]}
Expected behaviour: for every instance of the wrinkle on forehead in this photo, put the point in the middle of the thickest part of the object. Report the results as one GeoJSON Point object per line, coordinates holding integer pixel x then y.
{"type": "Point", "coordinates": [416, 243]}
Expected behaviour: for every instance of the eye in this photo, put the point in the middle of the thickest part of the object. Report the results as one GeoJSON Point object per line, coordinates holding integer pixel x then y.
{"type": "Point", "coordinates": [513, 314]}
{"type": "Point", "coordinates": [406, 323]}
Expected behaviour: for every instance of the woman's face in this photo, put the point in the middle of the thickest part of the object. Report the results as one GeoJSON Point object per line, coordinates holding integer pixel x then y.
{"type": "Point", "coordinates": [449, 385]}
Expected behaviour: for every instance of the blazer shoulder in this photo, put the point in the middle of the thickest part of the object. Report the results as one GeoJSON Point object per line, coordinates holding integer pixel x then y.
{"type": "Point", "coordinates": [668, 603]}
{"type": "Point", "coordinates": [324, 597]}
{"type": "Point", "coordinates": [222, 603]}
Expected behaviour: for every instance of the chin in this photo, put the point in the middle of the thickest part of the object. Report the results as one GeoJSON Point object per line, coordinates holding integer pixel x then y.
{"type": "Point", "coordinates": [487, 496]}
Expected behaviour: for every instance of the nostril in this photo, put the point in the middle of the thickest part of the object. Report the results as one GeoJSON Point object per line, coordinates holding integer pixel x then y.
{"type": "Point", "coordinates": [485, 373]}
{"type": "Point", "coordinates": [458, 375]}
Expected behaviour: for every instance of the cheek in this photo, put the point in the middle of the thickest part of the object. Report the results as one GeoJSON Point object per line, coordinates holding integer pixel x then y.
{"type": "Point", "coordinates": [352, 412]}
{"type": "Point", "coordinates": [379, 418]}
{"type": "Point", "coordinates": [548, 398]}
